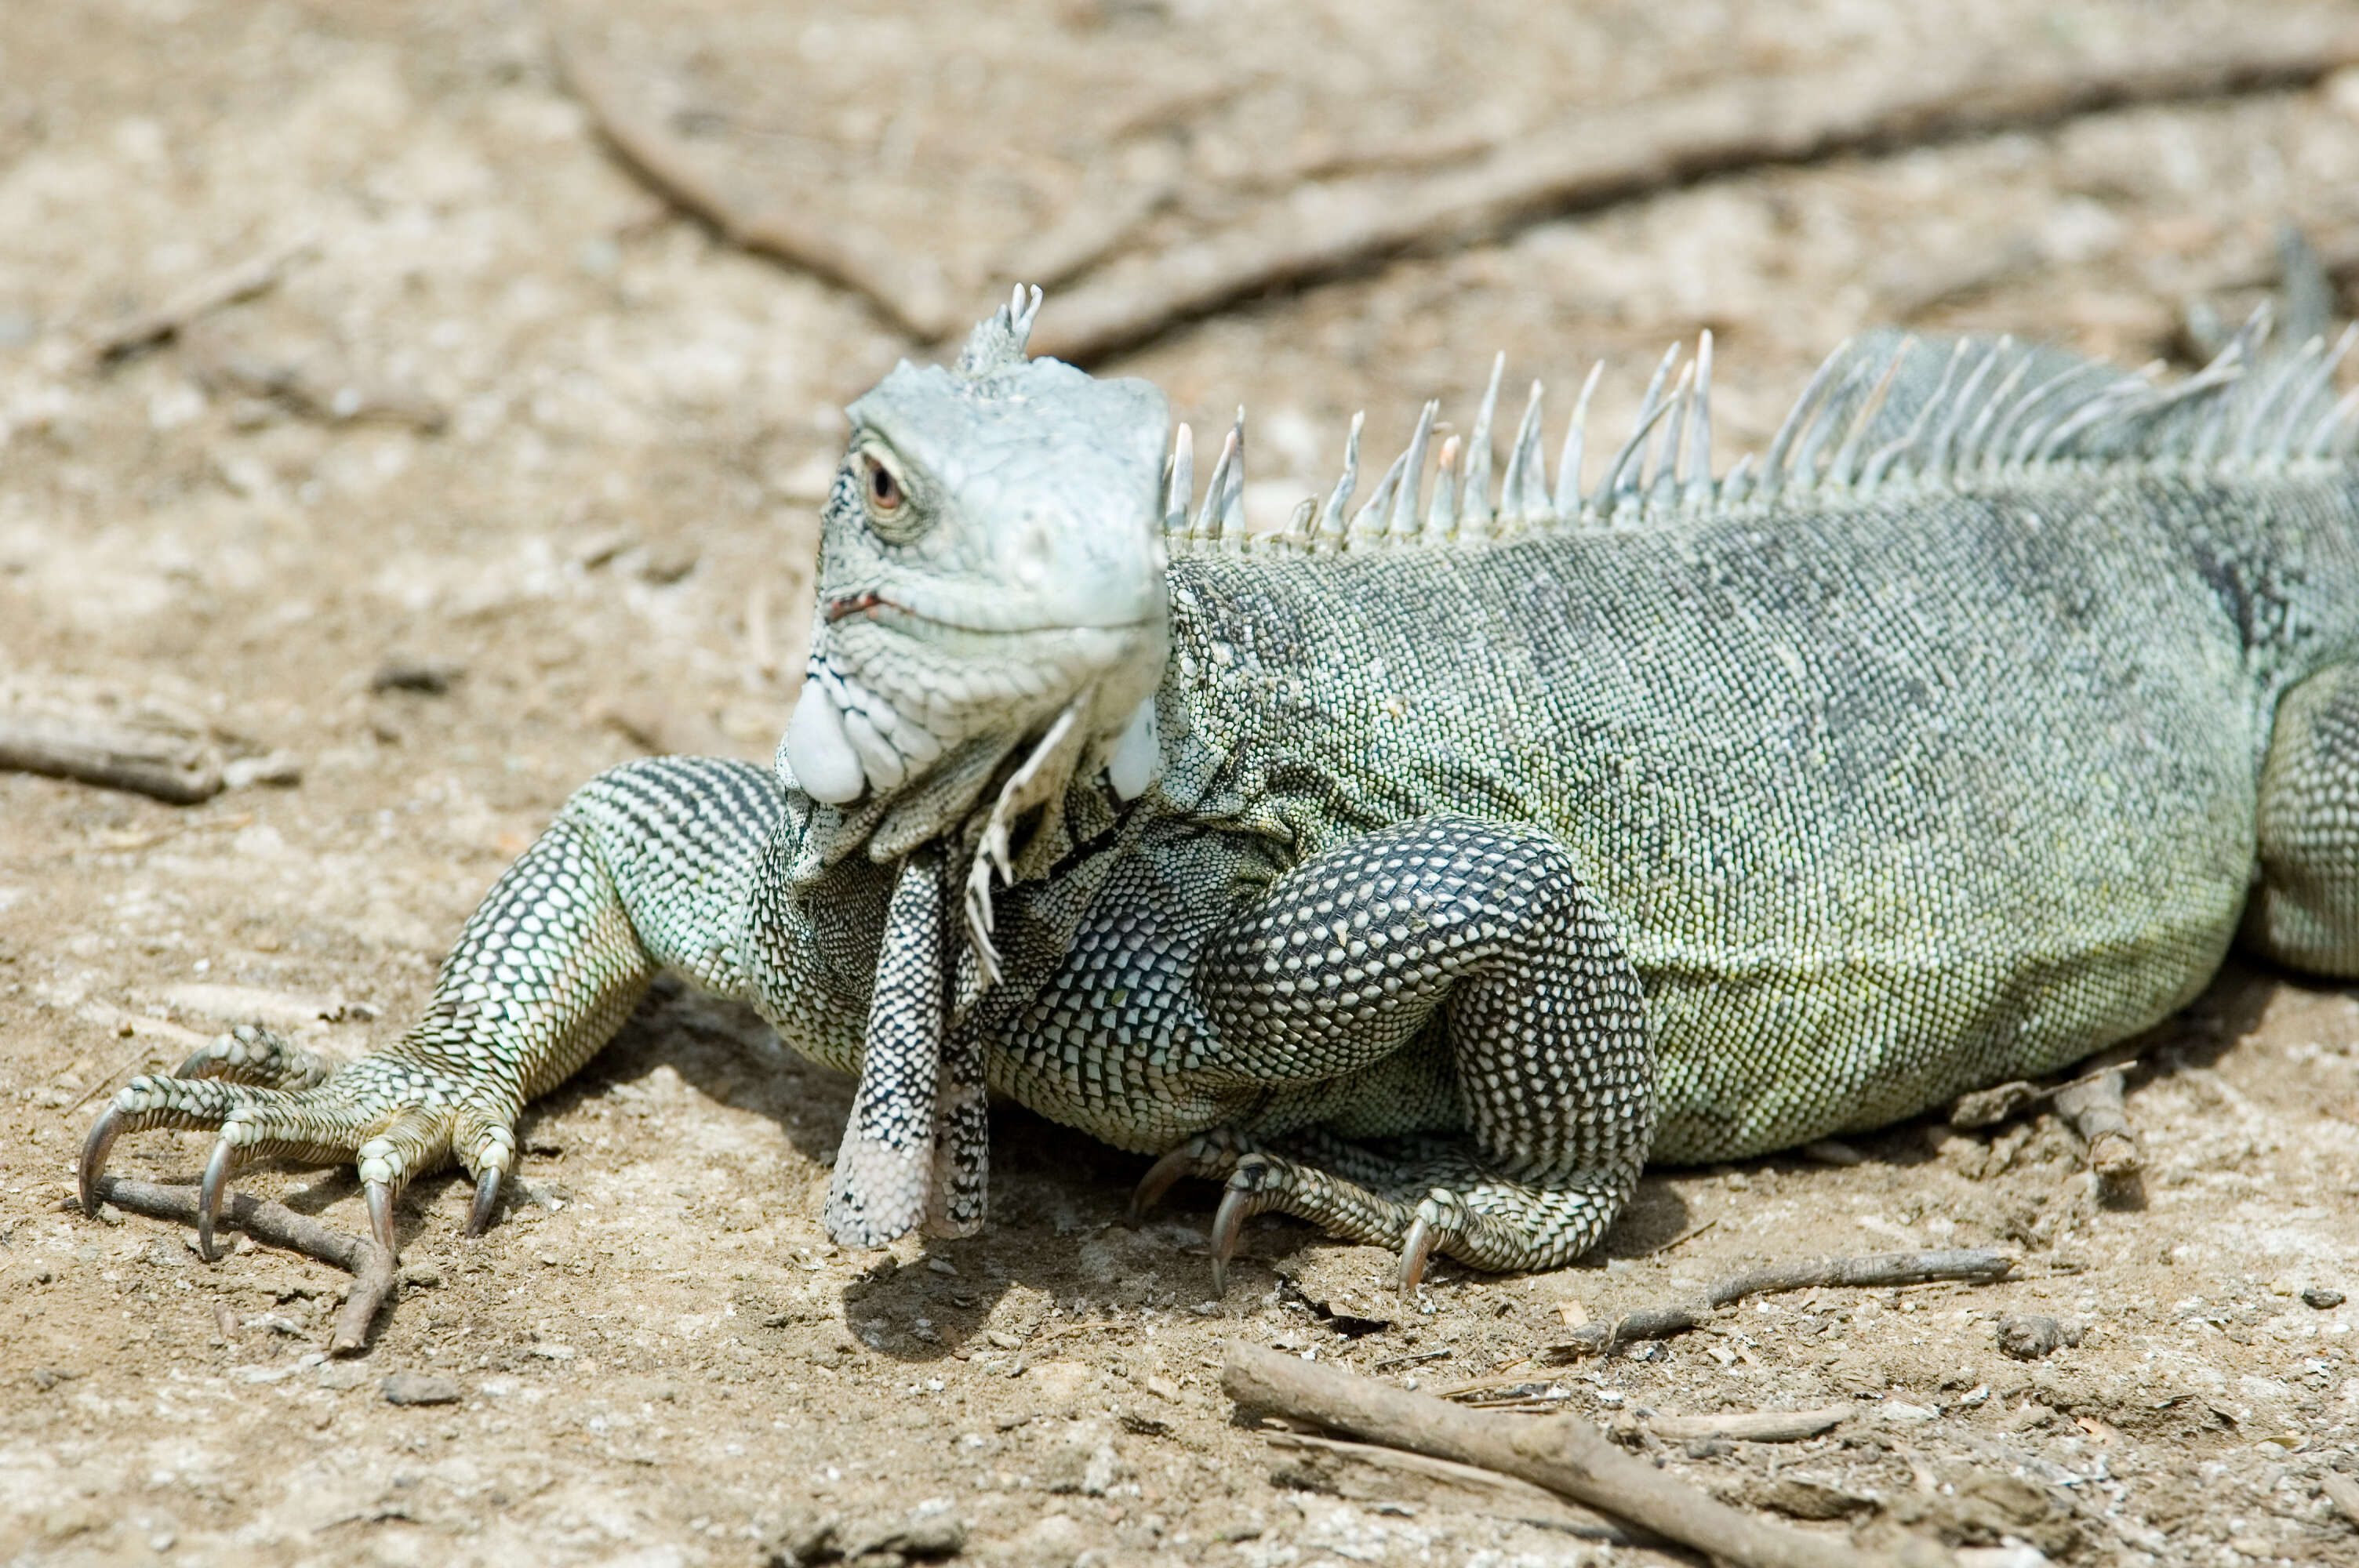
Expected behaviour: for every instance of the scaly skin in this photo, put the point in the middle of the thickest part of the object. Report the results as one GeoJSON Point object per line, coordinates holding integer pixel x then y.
{"type": "Point", "coordinates": [1426, 870]}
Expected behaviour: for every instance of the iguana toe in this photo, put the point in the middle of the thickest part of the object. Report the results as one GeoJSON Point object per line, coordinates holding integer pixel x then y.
{"type": "Point", "coordinates": [394, 1120]}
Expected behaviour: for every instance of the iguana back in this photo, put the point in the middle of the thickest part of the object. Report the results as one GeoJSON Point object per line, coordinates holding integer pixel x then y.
{"type": "Point", "coordinates": [1890, 796]}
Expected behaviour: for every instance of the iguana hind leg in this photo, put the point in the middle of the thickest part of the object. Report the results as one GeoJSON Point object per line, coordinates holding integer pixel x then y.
{"type": "Point", "coordinates": [647, 866]}
{"type": "Point", "coordinates": [1339, 971]}
{"type": "Point", "coordinates": [2305, 912]}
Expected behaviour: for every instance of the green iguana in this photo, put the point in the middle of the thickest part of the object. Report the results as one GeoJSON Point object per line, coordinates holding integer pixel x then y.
{"type": "Point", "coordinates": [1424, 869]}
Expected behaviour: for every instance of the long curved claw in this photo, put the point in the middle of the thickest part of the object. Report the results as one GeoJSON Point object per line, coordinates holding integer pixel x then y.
{"type": "Point", "coordinates": [380, 1207]}
{"type": "Point", "coordinates": [1228, 1224]}
{"type": "Point", "coordinates": [486, 1204]}
{"type": "Point", "coordinates": [1417, 1249]}
{"type": "Point", "coordinates": [1160, 1178]}
{"type": "Point", "coordinates": [94, 1150]}
{"type": "Point", "coordinates": [209, 1196]}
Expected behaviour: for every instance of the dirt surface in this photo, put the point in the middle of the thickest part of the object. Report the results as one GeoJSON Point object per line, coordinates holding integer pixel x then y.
{"type": "Point", "coordinates": [510, 432]}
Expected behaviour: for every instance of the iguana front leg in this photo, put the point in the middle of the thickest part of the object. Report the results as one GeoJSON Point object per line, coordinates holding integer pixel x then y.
{"type": "Point", "coordinates": [650, 865]}
{"type": "Point", "coordinates": [1449, 951]}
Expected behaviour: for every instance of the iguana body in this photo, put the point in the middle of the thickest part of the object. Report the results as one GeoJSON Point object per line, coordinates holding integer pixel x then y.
{"type": "Point", "coordinates": [1476, 851]}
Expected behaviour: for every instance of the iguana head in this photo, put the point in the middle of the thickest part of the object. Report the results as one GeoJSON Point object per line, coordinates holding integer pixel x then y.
{"type": "Point", "coordinates": [990, 557]}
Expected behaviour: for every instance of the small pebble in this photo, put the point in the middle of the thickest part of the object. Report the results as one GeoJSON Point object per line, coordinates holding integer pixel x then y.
{"type": "Point", "coordinates": [420, 1388]}
{"type": "Point", "coordinates": [2031, 1337]}
{"type": "Point", "coordinates": [2323, 1297]}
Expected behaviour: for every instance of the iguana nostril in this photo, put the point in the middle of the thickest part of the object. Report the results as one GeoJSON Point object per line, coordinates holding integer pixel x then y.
{"type": "Point", "coordinates": [1031, 552]}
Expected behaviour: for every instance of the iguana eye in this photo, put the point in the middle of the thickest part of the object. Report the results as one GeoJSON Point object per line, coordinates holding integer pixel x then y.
{"type": "Point", "coordinates": [884, 490]}
{"type": "Point", "coordinates": [894, 514]}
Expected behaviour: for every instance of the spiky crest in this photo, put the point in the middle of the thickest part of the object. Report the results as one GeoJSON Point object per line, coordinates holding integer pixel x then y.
{"type": "Point", "coordinates": [1887, 411]}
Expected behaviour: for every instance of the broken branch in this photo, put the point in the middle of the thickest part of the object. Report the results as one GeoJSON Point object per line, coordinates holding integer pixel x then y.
{"type": "Point", "coordinates": [1875, 1271]}
{"type": "Point", "coordinates": [1612, 155]}
{"type": "Point", "coordinates": [276, 1225]}
{"type": "Point", "coordinates": [2092, 1108]}
{"type": "Point", "coordinates": [1362, 1472]}
{"type": "Point", "coordinates": [1559, 1453]}
{"type": "Point", "coordinates": [202, 297]}
{"type": "Point", "coordinates": [170, 767]}
{"type": "Point", "coordinates": [913, 295]}
{"type": "Point", "coordinates": [1747, 1426]}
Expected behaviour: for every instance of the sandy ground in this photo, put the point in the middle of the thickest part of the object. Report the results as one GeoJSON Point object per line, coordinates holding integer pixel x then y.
{"type": "Point", "coordinates": [506, 418]}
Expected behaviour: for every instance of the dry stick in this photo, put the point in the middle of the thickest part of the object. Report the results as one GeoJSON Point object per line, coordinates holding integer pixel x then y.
{"type": "Point", "coordinates": [915, 300]}
{"type": "Point", "coordinates": [1875, 1271]}
{"type": "Point", "coordinates": [2093, 1107]}
{"type": "Point", "coordinates": [1559, 1453]}
{"type": "Point", "coordinates": [1614, 153]}
{"type": "Point", "coordinates": [202, 297]}
{"type": "Point", "coordinates": [1361, 1472]}
{"type": "Point", "coordinates": [276, 1225]}
{"type": "Point", "coordinates": [1748, 1426]}
{"type": "Point", "coordinates": [170, 767]}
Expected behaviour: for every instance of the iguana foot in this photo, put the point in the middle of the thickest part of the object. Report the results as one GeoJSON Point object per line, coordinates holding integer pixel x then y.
{"type": "Point", "coordinates": [1435, 1199]}
{"type": "Point", "coordinates": [394, 1117]}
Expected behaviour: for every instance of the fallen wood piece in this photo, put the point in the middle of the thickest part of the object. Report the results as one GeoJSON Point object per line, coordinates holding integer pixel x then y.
{"type": "Point", "coordinates": [1747, 1426]}
{"type": "Point", "coordinates": [1613, 155]}
{"type": "Point", "coordinates": [1559, 1453]}
{"type": "Point", "coordinates": [276, 1225]}
{"type": "Point", "coordinates": [1980, 1266]}
{"type": "Point", "coordinates": [200, 298]}
{"type": "Point", "coordinates": [1361, 1472]}
{"type": "Point", "coordinates": [912, 294]}
{"type": "Point", "coordinates": [2092, 1108]}
{"type": "Point", "coordinates": [164, 765]}
{"type": "Point", "coordinates": [2091, 1105]}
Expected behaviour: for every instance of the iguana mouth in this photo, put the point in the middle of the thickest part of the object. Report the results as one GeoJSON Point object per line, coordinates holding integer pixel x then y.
{"type": "Point", "coordinates": [878, 607]}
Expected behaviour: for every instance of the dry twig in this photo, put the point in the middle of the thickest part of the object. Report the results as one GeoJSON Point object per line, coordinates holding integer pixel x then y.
{"type": "Point", "coordinates": [1559, 1453]}
{"type": "Point", "coordinates": [1873, 1271]}
{"type": "Point", "coordinates": [1614, 153]}
{"type": "Point", "coordinates": [1362, 1472]}
{"type": "Point", "coordinates": [201, 297]}
{"type": "Point", "coordinates": [2092, 1108]}
{"type": "Point", "coordinates": [179, 769]}
{"type": "Point", "coordinates": [912, 294]}
{"type": "Point", "coordinates": [1747, 1426]}
{"type": "Point", "coordinates": [2091, 1105]}
{"type": "Point", "coordinates": [276, 1225]}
